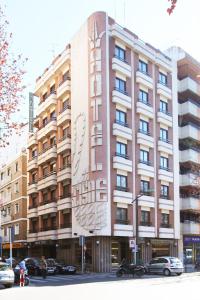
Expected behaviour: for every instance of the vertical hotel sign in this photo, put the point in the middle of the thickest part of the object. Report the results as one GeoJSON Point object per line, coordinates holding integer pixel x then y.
{"type": "Point", "coordinates": [90, 208]}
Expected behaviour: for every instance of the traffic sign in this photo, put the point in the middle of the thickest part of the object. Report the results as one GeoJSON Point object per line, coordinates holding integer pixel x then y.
{"type": "Point", "coordinates": [132, 243]}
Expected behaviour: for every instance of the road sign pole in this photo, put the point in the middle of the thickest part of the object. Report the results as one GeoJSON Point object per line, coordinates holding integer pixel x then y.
{"type": "Point", "coordinates": [11, 247]}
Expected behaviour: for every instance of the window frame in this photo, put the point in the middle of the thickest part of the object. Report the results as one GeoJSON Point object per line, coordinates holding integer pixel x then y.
{"type": "Point", "coordinates": [118, 52]}
{"type": "Point", "coordinates": [143, 66]}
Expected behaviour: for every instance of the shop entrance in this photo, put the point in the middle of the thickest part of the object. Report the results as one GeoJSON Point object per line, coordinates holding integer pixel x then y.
{"type": "Point", "coordinates": [160, 250]}
{"type": "Point", "coordinates": [119, 250]}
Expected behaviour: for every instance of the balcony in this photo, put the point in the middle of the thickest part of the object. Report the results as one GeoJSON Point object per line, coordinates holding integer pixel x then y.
{"type": "Point", "coordinates": [122, 196]}
{"type": "Point", "coordinates": [64, 232]}
{"type": "Point", "coordinates": [164, 118]}
{"type": "Point", "coordinates": [166, 204]}
{"type": "Point", "coordinates": [32, 164]}
{"type": "Point", "coordinates": [32, 212]}
{"type": "Point", "coordinates": [189, 179]}
{"type": "Point", "coordinates": [64, 87]}
{"type": "Point", "coordinates": [145, 169]}
{"type": "Point", "coordinates": [64, 173]}
{"type": "Point", "coordinates": [47, 207]}
{"type": "Point", "coordinates": [165, 174]}
{"type": "Point", "coordinates": [64, 144]}
{"type": "Point", "coordinates": [188, 84]}
{"type": "Point", "coordinates": [121, 66]}
{"type": "Point", "coordinates": [165, 146]}
{"type": "Point", "coordinates": [190, 108]}
{"type": "Point", "coordinates": [144, 109]}
{"type": "Point", "coordinates": [147, 200]}
{"type": "Point", "coordinates": [190, 228]}
{"type": "Point", "coordinates": [6, 180]}
{"type": "Point", "coordinates": [47, 233]}
{"type": "Point", "coordinates": [122, 130]}
{"type": "Point", "coordinates": [164, 90]}
{"type": "Point", "coordinates": [47, 154]}
{"type": "Point", "coordinates": [189, 131]}
{"type": "Point", "coordinates": [121, 99]}
{"type": "Point", "coordinates": [122, 229]}
{"type": "Point", "coordinates": [144, 79]}
{"type": "Point", "coordinates": [6, 219]}
{"type": "Point", "coordinates": [64, 202]}
{"type": "Point", "coordinates": [146, 231]}
{"type": "Point", "coordinates": [49, 102]}
{"type": "Point", "coordinates": [47, 181]}
{"type": "Point", "coordinates": [49, 128]}
{"type": "Point", "coordinates": [32, 140]}
{"type": "Point", "coordinates": [190, 203]}
{"type": "Point", "coordinates": [144, 138]}
{"type": "Point", "coordinates": [166, 231]}
{"type": "Point", "coordinates": [121, 163]}
{"type": "Point", "coordinates": [32, 236]}
{"type": "Point", "coordinates": [64, 115]}
{"type": "Point", "coordinates": [32, 187]}
{"type": "Point", "coordinates": [189, 155]}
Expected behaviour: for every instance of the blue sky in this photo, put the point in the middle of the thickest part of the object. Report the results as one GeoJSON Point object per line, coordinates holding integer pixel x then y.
{"type": "Point", "coordinates": [42, 28]}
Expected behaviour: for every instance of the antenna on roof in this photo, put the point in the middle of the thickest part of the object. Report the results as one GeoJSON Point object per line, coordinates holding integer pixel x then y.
{"type": "Point", "coordinates": [124, 13]}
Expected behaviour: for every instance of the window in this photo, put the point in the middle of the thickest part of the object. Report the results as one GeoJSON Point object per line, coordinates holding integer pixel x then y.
{"type": "Point", "coordinates": [45, 171]}
{"type": "Point", "coordinates": [164, 191]}
{"type": "Point", "coordinates": [16, 208]}
{"type": "Point", "coordinates": [66, 190]}
{"type": "Point", "coordinates": [121, 149]}
{"type": "Point", "coordinates": [45, 121]}
{"type": "Point", "coordinates": [16, 167]}
{"type": "Point", "coordinates": [53, 115]}
{"type": "Point", "coordinates": [45, 146]}
{"type": "Point", "coordinates": [53, 167]}
{"type": "Point", "coordinates": [120, 85]}
{"type": "Point", "coordinates": [145, 218]}
{"type": "Point", "coordinates": [144, 127]}
{"type": "Point", "coordinates": [44, 97]}
{"type": "Point", "coordinates": [53, 195]}
{"type": "Point", "coordinates": [16, 229]}
{"type": "Point", "coordinates": [66, 160]}
{"type": "Point", "coordinates": [2, 175]}
{"type": "Point", "coordinates": [34, 153]}
{"type": "Point", "coordinates": [53, 141]}
{"type": "Point", "coordinates": [162, 78]}
{"type": "Point", "coordinates": [121, 117]}
{"type": "Point", "coordinates": [163, 106]}
{"type": "Point", "coordinates": [52, 89]}
{"type": "Point", "coordinates": [34, 177]}
{"type": "Point", "coordinates": [163, 135]}
{"type": "Point", "coordinates": [9, 172]}
{"type": "Point", "coordinates": [164, 163]}
{"type": "Point", "coordinates": [120, 53]}
{"type": "Point", "coordinates": [65, 105]}
{"type": "Point", "coordinates": [17, 187]}
{"type": "Point", "coordinates": [45, 197]}
{"type": "Point", "coordinates": [8, 210]}
{"type": "Point", "coordinates": [66, 132]}
{"type": "Point", "coordinates": [144, 186]}
{"type": "Point", "coordinates": [144, 156]}
{"type": "Point", "coordinates": [164, 220]}
{"type": "Point", "coordinates": [65, 76]}
{"type": "Point", "coordinates": [122, 182]}
{"type": "Point", "coordinates": [121, 215]}
{"type": "Point", "coordinates": [143, 96]}
{"type": "Point", "coordinates": [143, 67]}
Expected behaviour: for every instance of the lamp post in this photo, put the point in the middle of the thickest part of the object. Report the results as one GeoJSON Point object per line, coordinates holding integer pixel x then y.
{"type": "Point", "coordinates": [136, 225]}
{"type": "Point", "coordinates": [2, 213]}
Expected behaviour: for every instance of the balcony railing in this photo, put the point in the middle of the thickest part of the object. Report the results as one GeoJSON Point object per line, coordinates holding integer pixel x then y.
{"type": "Point", "coordinates": [120, 221]}
{"type": "Point", "coordinates": [121, 123]}
{"type": "Point", "coordinates": [53, 227]}
{"type": "Point", "coordinates": [120, 58]}
{"type": "Point", "coordinates": [146, 162]}
{"type": "Point", "coordinates": [64, 80]}
{"type": "Point", "coordinates": [33, 206]}
{"type": "Point", "coordinates": [67, 195]}
{"type": "Point", "coordinates": [46, 149]}
{"type": "Point", "coordinates": [145, 102]}
{"type": "Point", "coordinates": [33, 182]}
{"type": "Point", "coordinates": [121, 188]}
{"type": "Point", "coordinates": [121, 91]}
{"type": "Point", "coordinates": [65, 108]}
{"type": "Point", "coordinates": [165, 168]}
{"type": "Point", "coordinates": [66, 225]}
{"type": "Point", "coordinates": [145, 73]}
{"type": "Point", "coordinates": [33, 230]}
{"type": "Point", "coordinates": [145, 223]}
{"type": "Point", "coordinates": [48, 121]}
{"type": "Point", "coordinates": [164, 84]}
{"type": "Point", "coordinates": [166, 112]}
{"type": "Point", "coordinates": [47, 201]}
{"type": "Point", "coordinates": [68, 135]}
{"type": "Point", "coordinates": [121, 155]}
{"type": "Point", "coordinates": [43, 100]}
{"type": "Point", "coordinates": [47, 175]}
{"type": "Point", "coordinates": [163, 225]}
{"type": "Point", "coordinates": [164, 140]}
{"type": "Point", "coordinates": [65, 167]}
{"type": "Point", "coordinates": [144, 132]}
{"type": "Point", "coordinates": [164, 196]}
{"type": "Point", "coordinates": [146, 193]}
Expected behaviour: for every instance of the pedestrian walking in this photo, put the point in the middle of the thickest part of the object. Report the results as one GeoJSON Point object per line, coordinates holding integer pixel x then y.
{"type": "Point", "coordinates": [43, 266]}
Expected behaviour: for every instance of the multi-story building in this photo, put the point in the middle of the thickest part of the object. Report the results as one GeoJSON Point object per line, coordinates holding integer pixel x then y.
{"type": "Point", "coordinates": [188, 71]}
{"type": "Point", "coordinates": [13, 205]}
{"type": "Point", "coordinates": [107, 132]}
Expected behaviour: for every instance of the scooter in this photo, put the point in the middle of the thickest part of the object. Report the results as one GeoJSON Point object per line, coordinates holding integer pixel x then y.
{"type": "Point", "coordinates": [131, 269]}
{"type": "Point", "coordinates": [17, 276]}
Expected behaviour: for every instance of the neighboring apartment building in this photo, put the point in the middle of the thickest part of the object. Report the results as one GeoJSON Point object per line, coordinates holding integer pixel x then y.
{"type": "Point", "coordinates": [188, 71]}
{"type": "Point", "coordinates": [13, 205]}
{"type": "Point", "coordinates": [107, 131]}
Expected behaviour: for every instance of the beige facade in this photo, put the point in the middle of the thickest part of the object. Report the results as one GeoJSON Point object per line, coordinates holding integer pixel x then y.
{"type": "Point", "coordinates": [13, 204]}
{"type": "Point", "coordinates": [106, 132]}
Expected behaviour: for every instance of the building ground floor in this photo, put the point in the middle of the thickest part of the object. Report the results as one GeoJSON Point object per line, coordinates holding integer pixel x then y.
{"type": "Point", "coordinates": [191, 249]}
{"type": "Point", "coordinates": [19, 249]}
{"type": "Point", "coordinates": [101, 253]}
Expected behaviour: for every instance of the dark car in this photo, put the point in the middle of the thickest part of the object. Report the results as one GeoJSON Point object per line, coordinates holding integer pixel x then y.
{"type": "Point", "coordinates": [61, 266]}
{"type": "Point", "coordinates": [33, 265]}
{"type": "Point", "coordinates": [51, 267]}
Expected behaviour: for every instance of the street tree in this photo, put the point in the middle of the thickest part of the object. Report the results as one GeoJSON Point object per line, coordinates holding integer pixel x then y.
{"type": "Point", "coordinates": [11, 85]}
{"type": "Point", "coordinates": [172, 7]}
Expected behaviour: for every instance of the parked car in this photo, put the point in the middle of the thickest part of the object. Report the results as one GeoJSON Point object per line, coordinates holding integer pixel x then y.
{"type": "Point", "coordinates": [51, 267]}
{"type": "Point", "coordinates": [7, 276]}
{"type": "Point", "coordinates": [14, 261]}
{"type": "Point", "coordinates": [165, 265]}
{"type": "Point", "coordinates": [33, 265]}
{"type": "Point", "coordinates": [62, 267]}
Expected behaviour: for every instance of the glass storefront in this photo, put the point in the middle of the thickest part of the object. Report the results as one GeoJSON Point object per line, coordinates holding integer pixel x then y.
{"type": "Point", "coordinates": [191, 249]}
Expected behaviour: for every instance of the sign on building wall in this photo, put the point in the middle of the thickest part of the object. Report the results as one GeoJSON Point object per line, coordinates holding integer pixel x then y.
{"type": "Point", "coordinates": [90, 205]}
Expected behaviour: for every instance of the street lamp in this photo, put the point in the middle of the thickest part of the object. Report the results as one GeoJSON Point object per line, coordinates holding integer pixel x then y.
{"type": "Point", "coordinates": [2, 213]}
{"type": "Point", "coordinates": [136, 225]}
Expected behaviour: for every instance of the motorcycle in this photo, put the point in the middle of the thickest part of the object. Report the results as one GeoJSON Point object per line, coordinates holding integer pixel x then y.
{"type": "Point", "coordinates": [130, 269]}
{"type": "Point", "coordinates": [17, 276]}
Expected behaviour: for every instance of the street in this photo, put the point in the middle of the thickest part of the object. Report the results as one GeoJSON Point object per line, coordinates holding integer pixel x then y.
{"type": "Point", "coordinates": [108, 286]}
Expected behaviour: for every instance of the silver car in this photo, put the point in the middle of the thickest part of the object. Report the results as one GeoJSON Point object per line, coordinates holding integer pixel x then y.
{"type": "Point", "coordinates": [6, 275]}
{"type": "Point", "coordinates": [165, 265]}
